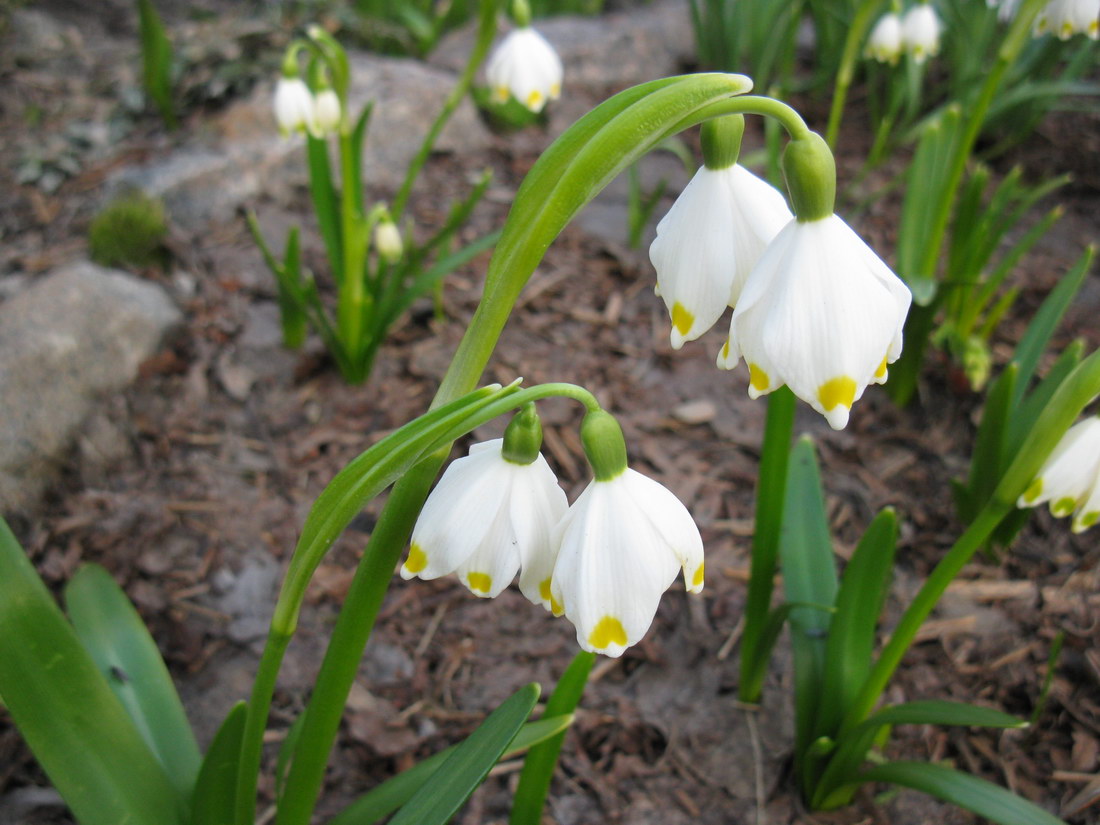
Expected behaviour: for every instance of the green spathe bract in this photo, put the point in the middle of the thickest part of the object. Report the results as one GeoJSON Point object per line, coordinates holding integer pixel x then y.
{"type": "Point", "coordinates": [810, 174]}
{"type": "Point", "coordinates": [604, 445]}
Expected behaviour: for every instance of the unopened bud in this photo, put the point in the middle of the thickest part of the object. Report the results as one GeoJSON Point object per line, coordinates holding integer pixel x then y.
{"type": "Point", "coordinates": [387, 239]}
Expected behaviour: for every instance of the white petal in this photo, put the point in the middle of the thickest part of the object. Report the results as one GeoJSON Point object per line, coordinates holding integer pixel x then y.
{"type": "Point", "coordinates": [1070, 472]}
{"type": "Point", "coordinates": [537, 505]}
{"type": "Point", "coordinates": [526, 67]}
{"type": "Point", "coordinates": [671, 520]}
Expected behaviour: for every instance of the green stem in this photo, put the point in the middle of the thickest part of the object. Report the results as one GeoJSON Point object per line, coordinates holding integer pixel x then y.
{"type": "Point", "coordinates": [770, 489]}
{"type": "Point", "coordinates": [487, 28]}
{"type": "Point", "coordinates": [861, 22]}
{"type": "Point", "coordinates": [349, 310]}
{"type": "Point", "coordinates": [1014, 41]}
{"type": "Point", "coordinates": [252, 740]}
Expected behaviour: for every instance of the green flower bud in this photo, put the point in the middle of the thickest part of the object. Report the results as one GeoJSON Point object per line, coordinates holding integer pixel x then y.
{"type": "Point", "coordinates": [721, 138]}
{"type": "Point", "coordinates": [523, 437]}
{"type": "Point", "coordinates": [810, 173]}
{"type": "Point", "coordinates": [521, 13]}
{"type": "Point", "coordinates": [604, 445]}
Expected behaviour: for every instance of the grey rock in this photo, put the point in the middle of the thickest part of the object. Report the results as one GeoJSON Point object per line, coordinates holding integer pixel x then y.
{"type": "Point", "coordinates": [75, 335]}
{"type": "Point", "coordinates": [242, 155]}
{"type": "Point", "coordinates": [249, 598]}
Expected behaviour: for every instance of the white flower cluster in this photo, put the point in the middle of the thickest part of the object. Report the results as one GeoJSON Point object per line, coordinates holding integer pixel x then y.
{"type": "Point", "coordinates": [297, 109]}
{"type": "Point", "coordinates": [525, 67]}
{"type": "Point", "coordinates": [814, 307]}
{"type": "Point", "coordinates": [917, 34]}
{"type": "Point", "coordinates": [603, 563]}
{"type": "Point", "coordinates": [1063, 18]}
{"type": "Point", "coordinates": [1070, 478]}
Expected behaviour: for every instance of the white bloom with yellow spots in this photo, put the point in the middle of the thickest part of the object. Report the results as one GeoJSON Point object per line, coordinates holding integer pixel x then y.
{"type": "Point", "coordinates": [821, 313]}
{"type": "Point", "coordinates": [526, 67]}
{"type": "Point", "coordinates": [1070, 477]}
{"type": "Point", "coordinates": [487, 518]}
{"type": "Point", "coordinates": [885, 42]}
{"type": "Point", "coordinates": [1065, 18]}
{"type": "Point", "coordinates": [620, 547]}
{"type": "Point", "coordinates": [920, 32]}
{"type": "Point", "coordinates": [709, 242]}
{"type": "Point", "coordinates": [294, 110]}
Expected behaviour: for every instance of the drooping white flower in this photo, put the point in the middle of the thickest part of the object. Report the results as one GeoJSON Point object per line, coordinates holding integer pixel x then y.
{"type": "Point", "coordinates": [326, 111]}
{"type": "Point", "coordinates": [1065, 18]}
{"type": "Point", "coordinates": [294, 106]}
{"type": "Point", "coordinates": [486, 519]}
{"type": "Point", "coordinates": [920, 32]}
{"type": "Point", "coordinates": [620, 547]}
{"type": "Point", "coordinates": [1070, 477]}
{"type": "Point", "coordinates": [708, 243]}
{"type": "Point", "coordinates": [526, 67]}
{"type": "Point", "coordinates": [387, 239]}
{"type": "Point", "coordinates": [821, 313]}
{"type": "Point", "coordinates": [885, 42]}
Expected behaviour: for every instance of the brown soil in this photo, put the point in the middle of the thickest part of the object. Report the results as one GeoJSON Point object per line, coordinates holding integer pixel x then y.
{"type": "Point", "coordinates": [231, 438]}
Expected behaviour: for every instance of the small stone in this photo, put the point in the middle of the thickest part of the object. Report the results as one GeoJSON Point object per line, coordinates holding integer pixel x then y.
{"type": "Point", "coordinates": [695, 412]}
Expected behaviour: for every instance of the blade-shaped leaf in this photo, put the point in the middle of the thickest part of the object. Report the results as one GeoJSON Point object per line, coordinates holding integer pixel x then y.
{"type": "Point", "coordinates": [63, 707]}
{"type": "Point", "coordinates": [213, 800]}
{"type": "Point", "coordinates": [977, 795]}
{"type": "Point", "coordinates": [937, 712]}
{"type": "Point", "coordinates": [859, 603]}
{"type": "Point", "coordinates": [809, 577]}
{"type": "Point", "coordinates": [113, 634]}
{"type": "Point", "coordinates": [383, 800]}
{"type": "Point", "coordinates": [538, 767]}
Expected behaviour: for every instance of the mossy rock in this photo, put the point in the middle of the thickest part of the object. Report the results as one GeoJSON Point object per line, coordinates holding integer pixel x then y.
{"type": "Point", "coordinates": [129, 231]}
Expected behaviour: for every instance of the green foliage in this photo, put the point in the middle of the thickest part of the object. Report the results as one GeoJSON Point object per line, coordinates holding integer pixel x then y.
{"type": "Point", "coordinates": [130, 231]}
{"type": "Point", "coordinates": [756, 38]}
{"type": "Point", "coordinates": [156, 56]}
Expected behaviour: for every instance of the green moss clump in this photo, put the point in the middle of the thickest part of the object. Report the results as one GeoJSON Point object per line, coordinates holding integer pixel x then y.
{"type": "Point", "coordinates": [130, 230]}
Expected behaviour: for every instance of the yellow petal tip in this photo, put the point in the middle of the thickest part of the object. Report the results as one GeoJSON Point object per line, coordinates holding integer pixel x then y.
{"type": "Point", "coordinates": [608, 631]}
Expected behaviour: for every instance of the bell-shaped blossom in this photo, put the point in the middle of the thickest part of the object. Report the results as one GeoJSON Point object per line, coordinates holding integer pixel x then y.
{"type": "Point", "coordinates": [620, 547]}
{"type": "Point", "coordinates": [387, 239]}
{"type": "Point", "coordinates": [526, 67]}
{"type": "Point", "coordinates": [294, 109]}
{"type": "Point", "coordinates": [709, 242]}
{"type": "Point", "coordinates": [1070, 478]}
{"type": "Point", "coordinates": [885, 43]}
{"type": "Point", "coordinates": [486, 519]}
{"type": "Point", "coordinates": [1065, 18]}
{"type": "Point", "coordinates": [920, 32]}
{"type": "Point", "coordinates": [821, 313]}
{"type": "Point", "coordinates": [326, 111]}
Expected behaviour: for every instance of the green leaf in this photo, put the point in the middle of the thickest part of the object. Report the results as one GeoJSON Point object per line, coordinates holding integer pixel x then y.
{"type": "Point", "coordinates": [286, 754]}
{"type": "Point", "coordinates": [326, 204]}
{"type": "Point", "coordinates": [988, 460]}
{"type": "Point", "coordinates": [468, 765]}
{"type": "Point", "coordinates": [969, 792]}
{"type": "Point", "coordinates": [809, 577]}
{"type": "Point", "coordinates": [936, 712]}
{"type": "Point", "coordinates": [383, 800]}
{"type": "Point", "coordinates": [156, 52]}
{"type": "Point", "coordinates": [75, 725]}
{"type": "Point", "coordinates": [538, 767]}
{"type": "Point", "coordinates": [113, 634]}
{"type": "Point", "coordinates": [859, 603]}
{"type": "Point", "coordinates": [214, 798]}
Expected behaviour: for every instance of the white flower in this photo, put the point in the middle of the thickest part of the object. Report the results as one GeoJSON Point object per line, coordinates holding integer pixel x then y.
{"type": "Point", "coordinates": [708, 243]}
{"type": "Point", "coordinates": [387, 238]}
{"type": "Point", "coordinates": [885, 42]}
{"type": "Point", "coordinates": [326, 111]}
{"type": "Point", "coordinates": [1066, 18]}
{"type": "Point", "coordinates": [294, 106]}
{"type": "Point", "coordinates": [621, 546]}
{"type": "Point", "coordinates": [526, 67]}
{"type": "Point", "coordinates": [820, 313]}
{"type": "Point", "coordinates": [1006, 9]}
{"type": "Point", "coordinates": [1070, 477]}
{"type": "Point", "coordinates": [487, 518]}
{"type": "Point", "coordinates": [920, 32]}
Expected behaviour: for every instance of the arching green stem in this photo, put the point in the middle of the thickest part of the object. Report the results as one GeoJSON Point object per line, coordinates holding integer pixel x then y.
{"type": "Point", "coordinates": [861, 22]}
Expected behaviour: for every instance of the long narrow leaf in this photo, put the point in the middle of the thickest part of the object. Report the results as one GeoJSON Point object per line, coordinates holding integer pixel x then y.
{"type": "Point", "coordinates": [538, 767]}
{"type": "Point", "coordinates": [977, 795]}
{"type": "Point", "coordinates": [809, 577]}
{"type": "Point", "coordinates": [383, 800]}
{"type": "Point", "coordinates": [852, 631]}
{"type": "Point", "coordinates": [469, 764]}
{"type": "Point", "coordinates": [326, 204]}
{"type": "Point", "coordinates": [215, 795]}
{"type": "Point", "coordinates": [75, 726]}
{"type": "Point", "coordinates": [113, 634]}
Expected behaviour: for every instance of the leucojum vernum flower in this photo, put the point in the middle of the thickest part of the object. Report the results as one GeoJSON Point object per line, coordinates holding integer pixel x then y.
{"type": "Point", "coordinates": [524, 66]}
{"type": "Point", "coordinates": [603, 563]}
{"type": "Point", "coordinates": [1070, 478]}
